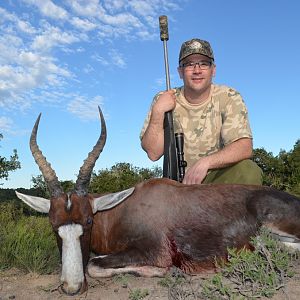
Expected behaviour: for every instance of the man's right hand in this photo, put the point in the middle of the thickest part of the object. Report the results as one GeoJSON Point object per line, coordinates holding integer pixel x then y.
{"type": "Point", "coordinates": [166, 102]}
{"type": "Point", "coordinates": [153, 139]}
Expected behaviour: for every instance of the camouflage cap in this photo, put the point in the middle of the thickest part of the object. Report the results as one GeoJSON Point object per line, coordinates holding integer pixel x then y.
{"type": "Point", "coordinates": [195, 46]}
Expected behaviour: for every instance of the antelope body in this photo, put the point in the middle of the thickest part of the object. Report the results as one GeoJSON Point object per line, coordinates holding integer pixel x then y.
{"type": "Point", "coordinates": [161, 224]}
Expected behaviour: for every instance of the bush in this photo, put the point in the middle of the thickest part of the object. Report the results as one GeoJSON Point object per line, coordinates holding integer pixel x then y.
{"type": "Point", "coordinates": [250, 275]}
{"type": "Point", "coordinates": [27, 243]}
{"type": "Point", "coordinates": [121, 176]}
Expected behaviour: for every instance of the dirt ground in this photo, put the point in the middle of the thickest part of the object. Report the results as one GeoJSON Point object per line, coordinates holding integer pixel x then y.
{"type": "Point", "coordinates": [17, 285]}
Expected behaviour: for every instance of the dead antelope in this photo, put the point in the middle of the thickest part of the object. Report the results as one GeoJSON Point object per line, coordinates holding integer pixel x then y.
{"type": "Point", "coordinates": [160, 223]}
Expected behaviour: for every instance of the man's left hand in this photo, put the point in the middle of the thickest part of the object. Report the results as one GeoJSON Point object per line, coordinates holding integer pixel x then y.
{"type": "Point", "coordinates": [196, 173]}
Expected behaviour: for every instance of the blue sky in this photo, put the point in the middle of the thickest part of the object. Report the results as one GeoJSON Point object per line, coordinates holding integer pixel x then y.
{"type": "Point", "coordinates": [63, 58]}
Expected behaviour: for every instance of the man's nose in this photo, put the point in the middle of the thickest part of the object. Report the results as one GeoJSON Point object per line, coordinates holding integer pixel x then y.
{"type": "Point", "coordinates": [197, 69]}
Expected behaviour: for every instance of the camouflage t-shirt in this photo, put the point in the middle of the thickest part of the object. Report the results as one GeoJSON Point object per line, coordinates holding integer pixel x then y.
{"type": "Point", "coordinates": [211, 125]}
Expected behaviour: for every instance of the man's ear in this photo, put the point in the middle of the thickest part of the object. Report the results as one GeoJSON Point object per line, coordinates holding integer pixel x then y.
{"type": "Point", "coordinates": [214, 70]}
{"type": "Point", "coordinates": [179, 69]}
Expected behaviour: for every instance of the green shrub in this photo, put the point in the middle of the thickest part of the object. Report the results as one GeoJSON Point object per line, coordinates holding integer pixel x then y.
{"type": "Point", "coordinates": [250, 275]}
{"type": "Point", "coordinates": [9, 216]}
{"type": "Point", "coordinates": [27, 243]}
{"type": "Point", "coordinates": [138, 294]}
{"type": "Point", "coordinates": [9, 212]}
{"type": "Point", "coordinates": [246, 275]}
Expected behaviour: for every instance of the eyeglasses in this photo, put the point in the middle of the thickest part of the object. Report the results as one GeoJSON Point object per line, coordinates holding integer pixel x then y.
{"type": "Point", "coordinates": [203, 65]}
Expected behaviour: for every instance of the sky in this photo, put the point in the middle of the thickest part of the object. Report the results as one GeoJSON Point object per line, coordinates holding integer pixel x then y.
{"type": "Point", "coordinates": [64, 58]}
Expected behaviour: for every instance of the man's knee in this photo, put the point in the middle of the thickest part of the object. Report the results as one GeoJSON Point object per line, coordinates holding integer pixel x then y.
{"type": "Point", "coordinates": [243, 172]}
{"type": "Point", "coordinates": [248, 172]}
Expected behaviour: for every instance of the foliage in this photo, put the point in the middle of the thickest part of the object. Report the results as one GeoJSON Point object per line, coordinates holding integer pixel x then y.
{"type": "Point", "coordinates": [9, 197]}
{"type": "Point", "coordinates": [173, 278]}
{"type": "Point", "coordinates": [123, 279]}
{"type": "Point", "coordinates": [120, 177]}
{"type": "Point", "coordinates": [250, 275]}
{"type": "Point", "coordinates": [40, 186]}
{"type": "Point", "coordinates": [134, 294]}
{"type": "Point", "coordinates": [246, 274]}
{"type": "Point", "coordinates": [180, 285]}
{"type": "Point", "coordinates": [8, 213]}
{"type": "Point", "coordinates": [138, 294]}
{"type": "Point", "coordinates": [282, 171]}
{"type": "Point", "coordinates": [10, 165]}
{"type": "Point", "coordinates": [67, 185]}
{"type": "Point", "coordinates": [27, 243]}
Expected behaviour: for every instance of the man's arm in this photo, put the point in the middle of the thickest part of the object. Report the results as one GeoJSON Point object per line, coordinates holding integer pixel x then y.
{"type": "Point", "coordinates": [153, 138]}
{"type": "Point", "coordinates": [230, 154]}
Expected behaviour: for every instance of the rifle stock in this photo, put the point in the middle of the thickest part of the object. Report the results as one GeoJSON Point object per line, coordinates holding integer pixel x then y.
{"type": "Point", "coordinates": [170, 165]}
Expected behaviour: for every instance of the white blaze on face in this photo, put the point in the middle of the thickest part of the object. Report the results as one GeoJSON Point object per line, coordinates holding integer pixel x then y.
{"type": "Point", "coordinates": [72, 268]}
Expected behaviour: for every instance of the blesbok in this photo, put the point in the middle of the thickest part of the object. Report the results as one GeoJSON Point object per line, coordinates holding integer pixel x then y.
{"type": "Point", "coordinates": [156, 224]}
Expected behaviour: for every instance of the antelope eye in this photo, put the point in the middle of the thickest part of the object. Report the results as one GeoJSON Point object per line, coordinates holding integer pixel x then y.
{"type": "Point", "coordinates": [89, 221]}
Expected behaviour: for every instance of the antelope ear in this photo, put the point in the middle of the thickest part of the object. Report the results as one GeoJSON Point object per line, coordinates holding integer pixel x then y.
{"type": "Point", "coordinates": [37, 203]}
{"type": "Point", "coordinates": [110, 200]}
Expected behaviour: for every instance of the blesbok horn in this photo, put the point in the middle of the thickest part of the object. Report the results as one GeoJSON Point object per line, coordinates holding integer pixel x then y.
{"type": "Point", "coordinates": [85, 172]}
{"type": "Point", "coordinates": [46, 169]}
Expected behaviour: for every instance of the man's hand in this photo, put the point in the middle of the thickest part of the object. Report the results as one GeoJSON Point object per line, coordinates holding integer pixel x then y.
{"type": "Point", "coordinates": [166, 101]}
{"type": "Point", "coordinates": [197, 173]}
{"type": "Point", "coordinates": [153, 139]}
{"type": "Point", "coordinates": [231, 154]}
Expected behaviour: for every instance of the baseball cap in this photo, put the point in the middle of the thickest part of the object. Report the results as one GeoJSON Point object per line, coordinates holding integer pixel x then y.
{"type": "Point", "coordinates": [195, 46]}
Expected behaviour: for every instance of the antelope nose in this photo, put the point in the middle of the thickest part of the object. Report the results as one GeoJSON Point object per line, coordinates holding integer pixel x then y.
{"type": "Point", "coordinates": [71, 290]}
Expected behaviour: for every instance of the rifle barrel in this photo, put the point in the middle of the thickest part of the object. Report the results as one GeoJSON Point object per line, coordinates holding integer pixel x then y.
{"type": "Point", "coordinates": [170, 165]}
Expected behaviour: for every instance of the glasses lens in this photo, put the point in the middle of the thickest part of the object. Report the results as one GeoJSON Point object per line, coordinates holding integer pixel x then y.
{"type": "Point", "coordinates": [203, 65]}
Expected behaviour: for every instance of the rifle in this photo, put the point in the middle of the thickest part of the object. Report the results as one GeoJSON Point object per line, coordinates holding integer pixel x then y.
{"type": "Point", "coordinates": [173, 164]}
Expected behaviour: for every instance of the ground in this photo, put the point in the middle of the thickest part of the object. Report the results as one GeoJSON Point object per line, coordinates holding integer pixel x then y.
{"type": "Point", "coordinates": [17, 285]}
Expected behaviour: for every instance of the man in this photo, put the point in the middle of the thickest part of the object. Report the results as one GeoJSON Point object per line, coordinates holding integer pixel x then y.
{"type": "Point", "coordinates": [213, 118]}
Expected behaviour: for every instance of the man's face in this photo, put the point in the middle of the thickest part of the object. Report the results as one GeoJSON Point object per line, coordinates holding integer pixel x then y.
{"type": "Point", "coordinates": [197, 77]}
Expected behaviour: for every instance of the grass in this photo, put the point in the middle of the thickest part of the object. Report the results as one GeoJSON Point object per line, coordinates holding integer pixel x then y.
{"type": "Point", "coordinates": [122, 279]}
{"type": "Point", "coordinates": [181, 286]}
{"type": "Point", "coordinates": [27, 243]}
{"type": "Point", "coordinates": [138, 294]}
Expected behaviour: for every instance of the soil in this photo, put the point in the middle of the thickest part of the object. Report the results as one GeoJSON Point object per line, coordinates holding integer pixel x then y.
{"type": "Point", "coordinates": [17, 285]}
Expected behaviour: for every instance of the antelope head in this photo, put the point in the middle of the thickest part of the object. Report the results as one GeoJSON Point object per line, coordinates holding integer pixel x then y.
{"type": "Point", "coordinates": [70, 214]}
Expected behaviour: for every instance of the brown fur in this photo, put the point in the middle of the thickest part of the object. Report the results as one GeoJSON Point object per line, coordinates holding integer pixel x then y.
{"type": "Point", "coordinates": [165, 223]}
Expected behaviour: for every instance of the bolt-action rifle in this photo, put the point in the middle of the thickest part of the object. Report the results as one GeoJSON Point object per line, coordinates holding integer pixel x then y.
{"type": "Point", "coordinates": [174, 163]}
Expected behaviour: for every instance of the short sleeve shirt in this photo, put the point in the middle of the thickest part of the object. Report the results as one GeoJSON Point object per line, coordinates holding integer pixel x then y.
{"type": "Point", "coordinates": [211, 125]}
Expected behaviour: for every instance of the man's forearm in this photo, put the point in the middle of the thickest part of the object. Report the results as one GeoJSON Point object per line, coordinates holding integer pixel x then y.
{"type": "Point", "coordinates": [232, 153]}
{"type": "Point", "coordinates": [153, 139]}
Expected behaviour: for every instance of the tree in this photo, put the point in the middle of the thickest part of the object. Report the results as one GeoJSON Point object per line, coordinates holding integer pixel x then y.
{"type": "Point", "coordinates": [10, 165]}
{"type": "Point", "coordinates": [40, 186]}
{"type": "Point", "coordinates": [293, 164]}
{"type": "Point", "coordinates": [120, 177]}
{"type": "Point", "coordinates": [281, 171]}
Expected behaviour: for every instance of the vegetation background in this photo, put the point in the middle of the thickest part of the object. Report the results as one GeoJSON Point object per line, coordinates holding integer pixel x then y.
{"type": "Point", "coordinates": [281, 172]}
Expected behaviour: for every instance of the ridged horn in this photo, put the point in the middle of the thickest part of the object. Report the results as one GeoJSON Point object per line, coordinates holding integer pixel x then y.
{"type": "Point", "coordinates": [85, 171]}
{"type": "Point", "coordinates": [46, 169]}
